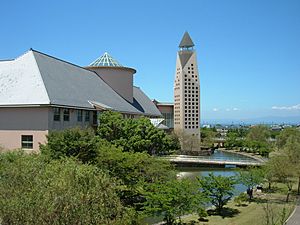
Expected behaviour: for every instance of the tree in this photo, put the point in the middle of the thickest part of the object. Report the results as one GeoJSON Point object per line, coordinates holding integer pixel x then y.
{"type": "Point", "coordinates": [287, 133]}
{"type": "Point", "coordinates": [218, 189]}
{"type": "Point", "coordinates": [207, 137]}
{"type": "Point", "coordinates": [76, 142]}
{"type": "Point", "coordinates": [173, 199]}
{"type": "Point", "coordinates": [34, 190]}
{"type": "Point", "coordinates": [257, 139]}
{"type": "Point", "coordinates": [137, 135]}
{"type": "Point", "coordinates": [250, 178]}
{"type": "Point", "coordinates": [283, 171]}
{"type": "Point", "coordinates": [135, 171]}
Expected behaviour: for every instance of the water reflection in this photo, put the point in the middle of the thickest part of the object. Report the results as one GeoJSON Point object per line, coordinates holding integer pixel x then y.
{"type": "Point", "coordinates": [193, 172]}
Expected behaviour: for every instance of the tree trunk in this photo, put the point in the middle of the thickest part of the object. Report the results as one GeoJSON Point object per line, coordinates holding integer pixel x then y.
{"type": "Point", "coordinates": [288, 196]}
{"type": "Point", "coordinates": [298, 191]}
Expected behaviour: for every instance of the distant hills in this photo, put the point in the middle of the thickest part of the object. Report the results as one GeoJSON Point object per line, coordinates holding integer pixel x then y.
{"type": "Point", "coordinates": [259, 120]}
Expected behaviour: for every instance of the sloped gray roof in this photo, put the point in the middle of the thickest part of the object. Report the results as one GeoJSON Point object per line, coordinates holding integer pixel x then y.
{"type": "Point", "coordinates": [143, 103]}
{"type": "Point", "coordinates": [39, 79]}
{"type": "Point", "coordinates": [68, 84]}
{"type": "Point", "coordinates": [186, 41]}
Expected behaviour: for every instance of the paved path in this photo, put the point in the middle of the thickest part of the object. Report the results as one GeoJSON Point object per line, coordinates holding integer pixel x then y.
{"type": "Point", "coordinates": [295, 217]}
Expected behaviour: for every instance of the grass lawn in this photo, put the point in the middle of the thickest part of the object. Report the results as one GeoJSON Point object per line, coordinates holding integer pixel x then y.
{"type": "Point", "coordinates": [253, 213]}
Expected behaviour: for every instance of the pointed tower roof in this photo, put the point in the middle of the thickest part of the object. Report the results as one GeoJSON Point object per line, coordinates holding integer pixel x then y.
{"type": "Point", "coordinates": [186, 41]}
{"type": "Point", "coordinates": [106, 60]}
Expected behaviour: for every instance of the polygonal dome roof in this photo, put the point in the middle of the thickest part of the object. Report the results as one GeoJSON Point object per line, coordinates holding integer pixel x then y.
{"type": "Point", "coordinates": [106, 60]}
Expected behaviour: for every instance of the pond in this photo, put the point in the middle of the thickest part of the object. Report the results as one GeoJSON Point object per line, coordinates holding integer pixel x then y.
{"type": "Point", "coordinates": [193, 172]}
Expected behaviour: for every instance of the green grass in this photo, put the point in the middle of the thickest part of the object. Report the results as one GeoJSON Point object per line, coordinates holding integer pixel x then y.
{"type": "Point", "coordinates": [253, 213]}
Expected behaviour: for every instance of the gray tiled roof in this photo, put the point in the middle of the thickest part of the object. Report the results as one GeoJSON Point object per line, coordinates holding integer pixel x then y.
{"type": "Point", "coordinates": [38, 79]}
{"type": "Point", "coordinates": [143, 103]}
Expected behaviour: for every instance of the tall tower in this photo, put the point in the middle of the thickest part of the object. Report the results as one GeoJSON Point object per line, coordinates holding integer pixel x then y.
{"type": "Point", "coordinates": [187, 90]}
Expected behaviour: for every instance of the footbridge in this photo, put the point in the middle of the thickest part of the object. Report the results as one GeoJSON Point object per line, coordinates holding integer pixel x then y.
{"type": "Point", "coordinates": [186, 160]}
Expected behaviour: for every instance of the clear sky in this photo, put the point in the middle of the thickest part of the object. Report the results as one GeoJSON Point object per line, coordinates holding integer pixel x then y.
{"type": "Point", "coordinates": [248, 51]}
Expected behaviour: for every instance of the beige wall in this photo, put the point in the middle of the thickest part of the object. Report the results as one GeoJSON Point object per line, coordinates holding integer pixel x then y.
{"type": "Point", "coordinates": [120, 79]}
{"type": "Point", "coordinates": [11, 139]}
{"type": "Point", "coordinates": [15, 122]}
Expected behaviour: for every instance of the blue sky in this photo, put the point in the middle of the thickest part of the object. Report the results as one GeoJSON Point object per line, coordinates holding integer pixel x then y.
{"type": "Point", "coordinates": [248, 51]}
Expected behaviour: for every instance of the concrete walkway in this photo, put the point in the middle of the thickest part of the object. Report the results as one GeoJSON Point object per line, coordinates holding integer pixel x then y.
{"type": "Point", "coordinates": [294, 219]}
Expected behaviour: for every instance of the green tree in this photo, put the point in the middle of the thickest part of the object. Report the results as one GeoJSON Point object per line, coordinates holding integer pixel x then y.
{"type": "Point", "coordinates": [34, 190]}
{"type": "Point", "coordinates": [135, 171]}
{"type": "Point", "coordinates": [76, 142]}
{"type": "Point", "coordinates": [258, 139]}
{"type": "Point", "coordinates": [250, 178]}
{"type": "Point", "coordinates": [285, 134]}
{"type": "Point", "coordinates": [283, 171]}
{"type": "Point", "coordinates": [137, 135]}
{"type": "Point", "coordinates": [208, 136]}
{"type": "Point", "coordinates": [173, 199]}
{"type": "Point", "coordinates": [218, 189]}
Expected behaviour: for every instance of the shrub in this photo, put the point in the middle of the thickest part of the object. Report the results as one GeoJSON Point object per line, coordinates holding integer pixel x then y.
{"type": "Point", "coordinates": [34, 190]}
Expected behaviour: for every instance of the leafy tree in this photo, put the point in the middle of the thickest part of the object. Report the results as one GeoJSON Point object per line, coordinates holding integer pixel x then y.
{"type": "Point", "coordinates": [283, 171]}
{"type": "Point", "coordinates": [137, 135]}
{"type": "Point", "coordinates": [207, 136]}
{"type": "Point", "coordinates": [76, 142]}
{"type": "Point", "coordinates": [135, 171]}
{"type": "Point", "coordinates": [218, 189]}
{"type": "Point", "coordinates": [250, 178]}
{"type": "Point", "coordinates": [34, 190]}
{"type": "Point", "coordinates": [287, 133]}
{"type": "Point", "coordinates": [172, 199]}
{"type": "Point", "coordinates": [132, 170]}
{"type": "Point", "coordinates": [257, 139]}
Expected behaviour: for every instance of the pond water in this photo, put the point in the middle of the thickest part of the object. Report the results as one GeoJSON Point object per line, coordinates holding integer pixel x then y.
{"type": "Point", "coordinates": [194, 172]}
{"type": "Point", "coordinates": [224, 156]}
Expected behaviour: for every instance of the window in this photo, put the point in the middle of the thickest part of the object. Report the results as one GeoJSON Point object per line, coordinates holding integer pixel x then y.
{"type": "Point", "coordinates": [56, 114]}
{"type": "Point", "coordinates": [66, 114]}
{"type": "Point", "coordinates": [79, 115]}
{"type": "Point", "coordinates": [27, 141]}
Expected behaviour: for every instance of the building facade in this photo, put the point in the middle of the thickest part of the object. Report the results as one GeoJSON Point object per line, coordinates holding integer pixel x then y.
{"type": "Point", "coordinates": [187, 90]}
{"type": "Point", "coordinates": [167, 111]}
{"type": "Point", "coordinates": [40, 93]}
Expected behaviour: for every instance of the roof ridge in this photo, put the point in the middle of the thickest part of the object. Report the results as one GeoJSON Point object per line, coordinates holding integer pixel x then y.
{"type": "Point", "coordinates": [41, 77]}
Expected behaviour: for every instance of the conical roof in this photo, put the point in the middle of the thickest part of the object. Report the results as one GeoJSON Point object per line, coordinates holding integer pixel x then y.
{"type": "Point", "coordinates": [186, 41]}
{"type": "Point", "coordinates": [106, 60]}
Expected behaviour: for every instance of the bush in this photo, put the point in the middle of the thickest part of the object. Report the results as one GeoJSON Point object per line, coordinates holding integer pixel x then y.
{"type": "Point", "coordinates": [76, 142]}
{"type": "Point", "coordinates": [34, 190]}
{"type": "Point", "coordinates": [240, 199]}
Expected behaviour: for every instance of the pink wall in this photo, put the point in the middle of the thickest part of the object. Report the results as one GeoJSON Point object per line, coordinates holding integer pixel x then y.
{"type": "Point", "coordinates": [11, 139]}
{"type": "Point", "coordinates": [15, 122]}
{"type": "Point", "coordinates": [119, 78]}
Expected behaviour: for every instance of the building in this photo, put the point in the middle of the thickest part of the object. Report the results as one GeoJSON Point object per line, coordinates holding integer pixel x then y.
{"type": "Point", "coordinates": [187, 90]}
{"type": "Point", "coordinates": [167, 111]}
{"type": "Point", "coordinates": [40, 93]}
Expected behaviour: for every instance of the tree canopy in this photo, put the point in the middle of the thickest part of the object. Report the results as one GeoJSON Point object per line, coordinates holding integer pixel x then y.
{"type": "Point", "coordinates": [34, 190]}
{"type": "Point", "coordinates": [137, 135]}
{"type": "Point", "coordinates": [218, 189]}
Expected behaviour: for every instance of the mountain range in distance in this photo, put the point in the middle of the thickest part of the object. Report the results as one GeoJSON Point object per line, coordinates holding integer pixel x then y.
{"type": "Point", "coordinates": [260, 120]}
